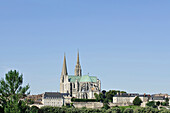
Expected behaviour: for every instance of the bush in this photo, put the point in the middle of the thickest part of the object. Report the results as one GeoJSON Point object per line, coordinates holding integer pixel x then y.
{"type": "Point", "coordinates": [158, 103]}
{"type": "Point", "coordinates": [164, 104]}
{"type": "Point", "coordinates": [151, 104]}
{"type": "Point", "coordinates": [149, 110]}
{"type": "Point", "coordinates": [138, 110]}
{"type": "Point", "coordinates": [128, 110]}
{"type": "Point", "coordinates": [34, 109]}
{"type": "Point", "coordinates": [116, 110]}
{"type": "Point", "coordinates": [105, 106]}
{"type": "Point", "coordinates": [137, 101]}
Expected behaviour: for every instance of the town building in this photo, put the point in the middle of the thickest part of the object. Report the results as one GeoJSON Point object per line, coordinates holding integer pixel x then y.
{"type": "Point", "coordinates": [79, 86]}
{"type": "Point", "coordinates": [35, 99]}
{"type": "Point", "coordinates": [126, 99]}
{"type": "Point", "coordinates": [55, 99]}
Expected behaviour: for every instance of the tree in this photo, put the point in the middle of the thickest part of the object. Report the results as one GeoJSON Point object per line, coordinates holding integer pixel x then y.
{"type": "Point", "coordinates": [158, 103]}
{"type": "Point", "coordinates": [151, 104]}
{"type": "Point", "coordinates": [12, 93]}
{"type": "Point", "coordinates": [97, 97]}
{"type": "Point", "coordinates": [137, 101]}
{"type": "Point", "coordinates": [167, 101]}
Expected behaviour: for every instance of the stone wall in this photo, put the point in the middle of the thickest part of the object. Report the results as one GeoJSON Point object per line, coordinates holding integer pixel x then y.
{"type": "Point", "coordinates": [88, 104]}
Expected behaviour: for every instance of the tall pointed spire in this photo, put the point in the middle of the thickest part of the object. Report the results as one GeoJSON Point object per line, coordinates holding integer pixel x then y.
{"type": "Point", "coordinates": [78, 67]}
{"type": "Point", "coordinates": [64, 70]}
{"type": "Point", "coordinates": [78, 62]}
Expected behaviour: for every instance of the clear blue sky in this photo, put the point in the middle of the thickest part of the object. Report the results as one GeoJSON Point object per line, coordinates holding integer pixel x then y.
{"type": "Point", "coordinates": [125, 43]}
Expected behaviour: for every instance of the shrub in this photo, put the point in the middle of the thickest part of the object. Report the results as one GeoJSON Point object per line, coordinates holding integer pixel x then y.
{"type": "Point", "coordinates": [105, 106]}
{"type": "Point", "coordinates": [128, 110]}
{"type": "Point", "coordinates": [137, 101]}
{"type": "Point", "coordinates": [34, 109]}
{"type": "Point", "coordinates": [138, 110]}
{"type": "Point", "coordinates": [116, 110]}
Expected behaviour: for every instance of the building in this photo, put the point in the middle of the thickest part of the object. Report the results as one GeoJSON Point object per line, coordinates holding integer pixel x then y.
{"type": "Point", "coordinates": [55, 99]}
{"type": "Point", "coordinates": [157, 98]}
{"type": "Point", "coordinates": [126, 99]}
{"type": "Point", "coordinates": [76, 85]}
{"type": "Point", "coordinates": [36, 99]}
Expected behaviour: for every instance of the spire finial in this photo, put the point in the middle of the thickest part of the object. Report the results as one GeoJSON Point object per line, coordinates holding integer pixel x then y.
{"type": "Point", "coordinates": [78, 67]}
{"type": "Point", "coordinates": [64, 70]}
{"type": "Point", "coordinates": [78, 62]}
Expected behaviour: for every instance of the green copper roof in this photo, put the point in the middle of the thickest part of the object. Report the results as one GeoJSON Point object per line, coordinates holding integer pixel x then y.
{"type": "Point", "coordinates": [85, 78]}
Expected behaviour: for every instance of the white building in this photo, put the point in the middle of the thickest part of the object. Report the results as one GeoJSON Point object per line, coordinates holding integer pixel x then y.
{"type": "Point", "coordinates": [127, 99]}
{"type": "Point", "coordinates": [55, 99]}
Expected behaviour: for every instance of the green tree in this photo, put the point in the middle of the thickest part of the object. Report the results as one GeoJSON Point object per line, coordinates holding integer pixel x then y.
{"type": "Point", "coordinates": [167, 101]}
{"type": "Point", "coordinates": [158, 103]}
{"type": "Point", "coordinates": [137, 101]}
{"type": "Point", "coordinates": [12, 93]}
{"type": "Point", "coordinates": [97, 97]}
{"type": "Point", "coordinates": [151, 104]}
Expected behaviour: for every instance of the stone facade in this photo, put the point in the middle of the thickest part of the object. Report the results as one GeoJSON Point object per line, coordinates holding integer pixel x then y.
{"type": "Point", "coordinates": [79, 86]}
{"type": "Point", "coordinates": [127, 99]}
{"type": "Point", "coordinates": [95, 105]}
{"type": "Point", "coordinates": [55, 99]}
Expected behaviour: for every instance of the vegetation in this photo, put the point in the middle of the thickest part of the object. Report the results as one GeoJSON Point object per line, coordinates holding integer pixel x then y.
{"type": "Point", "coordinates": [12, 93]}
{"type": "Point", "coordinates": [167, 101]}
{"type": "Point", "coordinates": [151, 104]}
{"type": "Point", "coordinates": [158, 103]}
{"type": "Point", "coordinates": [106, 97]}
{"type": "Point", "coordinates": [137, 101]}
{"type": "Point", "coordinates": [126, 109]}
{"type": "Point", "coordinates": [12, 100]}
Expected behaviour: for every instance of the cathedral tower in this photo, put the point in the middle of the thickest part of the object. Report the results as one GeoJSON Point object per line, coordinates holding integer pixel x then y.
{"type": "Point", "coordinates": [78, 67]}
{"type": "Point", "coordinates": [64, 78]}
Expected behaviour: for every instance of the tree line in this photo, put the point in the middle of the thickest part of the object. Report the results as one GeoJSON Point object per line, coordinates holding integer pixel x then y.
{"type": "Point", "coordinates": [13, 93]}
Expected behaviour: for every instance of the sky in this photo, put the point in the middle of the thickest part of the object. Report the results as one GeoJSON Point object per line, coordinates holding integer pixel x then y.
{"type": "Point", "coordinates": [125, 43]}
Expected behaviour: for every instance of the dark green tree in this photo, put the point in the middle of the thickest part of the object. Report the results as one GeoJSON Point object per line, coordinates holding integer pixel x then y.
{"type": "Point", "coordinates": [167, 101]}
{"type": "Point", "coordinates": [137, 101]}
{"type": "Point", "coordinates": [151, 104]}
{"type": "Point", "coordinates": [158, 103]}
{"type": "Point", "coordinates": [12, 93]}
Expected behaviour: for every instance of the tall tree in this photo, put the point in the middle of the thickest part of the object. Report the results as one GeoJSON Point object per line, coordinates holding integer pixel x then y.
{"type": "Point", "coordinates": [12, 93]}
{"type": "Point", "coordinates": [137, 101]}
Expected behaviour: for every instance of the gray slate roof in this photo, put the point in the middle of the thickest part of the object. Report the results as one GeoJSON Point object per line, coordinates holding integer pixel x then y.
{"type": "Point", "coordinates": [53, 95]}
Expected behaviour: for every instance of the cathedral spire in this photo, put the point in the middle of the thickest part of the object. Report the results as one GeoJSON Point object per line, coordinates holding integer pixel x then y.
{"type": "Point", "coordinates": [78, 62]}
{"type": "Point", "coordinates": [64, 70]}
{"type": "Point", "coordinates": [78, 67]}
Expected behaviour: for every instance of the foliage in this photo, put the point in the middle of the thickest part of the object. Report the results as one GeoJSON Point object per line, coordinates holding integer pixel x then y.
{"type": "Point", "coordinates": [167, 101]}
{"type": "Point", "coordinates": [158, 103]}
{"type": "Point", "coordinates": [12, 93]}
{"type": "Point", "coordinates": [149, 110]}
{"type": "Point", "coordinates": [116, 110]}
{"type": "Point", "coordinates": [137, 101]}
{"type": "Point", "coordinates": [163, 103]}
{"type": "Point", "coordinates": [151, 104]}
{"type": "Point", "coordinates": [138, 110]}
{"type": "Point", "coordinates": [128, 110]}
{"type": "Point", "coordinates": [105, 106]}
{"type": "Point", "coordinates": [106, 97]}
{"type": "Point", "coordinates": [34, 109]}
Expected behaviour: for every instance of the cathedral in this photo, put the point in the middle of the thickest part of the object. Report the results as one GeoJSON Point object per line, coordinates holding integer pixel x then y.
{"type": "Point", "coordinates": [79, 86]}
